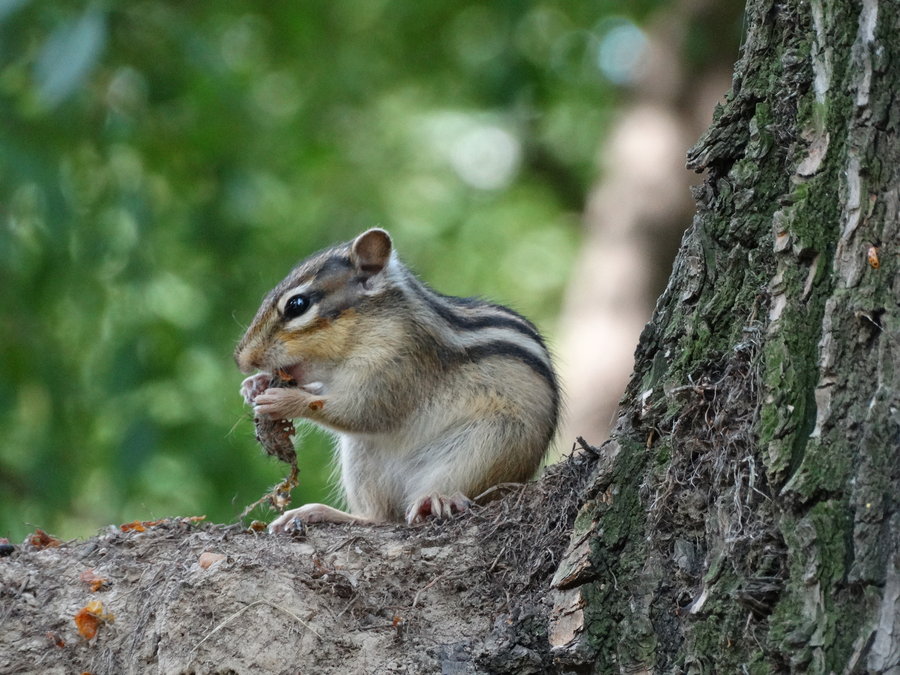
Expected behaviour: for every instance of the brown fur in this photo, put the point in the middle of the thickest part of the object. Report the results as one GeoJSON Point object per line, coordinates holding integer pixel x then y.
{"type": "Point", "coordinates": [428, 408]}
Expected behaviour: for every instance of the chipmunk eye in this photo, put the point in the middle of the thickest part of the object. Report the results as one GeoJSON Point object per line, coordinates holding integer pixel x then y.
{"type": "Point", "coordinates": [296, 306]}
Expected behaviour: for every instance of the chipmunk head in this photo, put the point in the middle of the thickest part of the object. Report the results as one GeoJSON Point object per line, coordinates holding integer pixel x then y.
{"type": "Point", "coordinates": [314, 314]}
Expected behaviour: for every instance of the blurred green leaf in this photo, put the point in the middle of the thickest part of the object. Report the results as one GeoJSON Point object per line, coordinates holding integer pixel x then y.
{"type": "Point", "coordinates": [68, 56]}
{"type": "Point", "coordinates": [8, 7]}
{"type": "Point", "coordinates": [164, 164]}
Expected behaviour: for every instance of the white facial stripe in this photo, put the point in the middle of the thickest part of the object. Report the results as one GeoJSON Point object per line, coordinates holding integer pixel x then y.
{"type": "Point", "coordinates": [308, 316]}
{"type": "Point", "coordinates": [304, 319]}
{"type": "Point", "coordinates": [287, 295]}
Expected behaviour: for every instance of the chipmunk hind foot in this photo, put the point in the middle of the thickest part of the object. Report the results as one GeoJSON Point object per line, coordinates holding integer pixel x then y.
{"type": "Point", "coordinates": [436, 506]}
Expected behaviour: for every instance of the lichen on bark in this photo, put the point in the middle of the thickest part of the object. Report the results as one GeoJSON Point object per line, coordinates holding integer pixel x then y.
{"type": "Point", "coordinates": [760, 428]}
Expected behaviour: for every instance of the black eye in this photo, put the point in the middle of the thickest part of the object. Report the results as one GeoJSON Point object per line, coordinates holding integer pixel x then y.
{"type": "Point", "coordinates": [296, 306]}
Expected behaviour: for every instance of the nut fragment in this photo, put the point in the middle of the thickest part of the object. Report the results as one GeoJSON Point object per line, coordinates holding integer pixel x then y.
{"type": "Point", "coordinates": [277, 439]}
{"type": "Point", "coordinates": [284, 376]}
{"type": "Point", "coordinates": [88, 619]}
{"type": "Point", "coordinates": [41, 540]}
{"type": "Point", "coordinates": [277, 436]}
{"type": "Point", "coordinates": [208, 558]}
{"type": "Point", "coordinates": [872, 257]}
{"type": "Point", "coordinates": [94, 582]}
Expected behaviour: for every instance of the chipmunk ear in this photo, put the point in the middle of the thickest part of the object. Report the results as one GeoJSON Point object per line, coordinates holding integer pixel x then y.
{"type": "Point", "coordinates": [371, 250]}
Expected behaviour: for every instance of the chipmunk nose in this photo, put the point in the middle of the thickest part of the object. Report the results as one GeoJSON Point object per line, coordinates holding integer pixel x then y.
{"type": "Point", "coordinates": [247, 362]}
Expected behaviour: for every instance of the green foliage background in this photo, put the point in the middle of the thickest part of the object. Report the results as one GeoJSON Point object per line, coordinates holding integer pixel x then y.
{"type": "Point", "coordinates": [165, 163]}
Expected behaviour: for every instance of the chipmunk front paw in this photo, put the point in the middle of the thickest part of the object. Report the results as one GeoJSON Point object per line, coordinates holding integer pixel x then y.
{"type": "Point", "coordinates": [287, 403]}
{"type": "Point", "coordinates": [254, 385]}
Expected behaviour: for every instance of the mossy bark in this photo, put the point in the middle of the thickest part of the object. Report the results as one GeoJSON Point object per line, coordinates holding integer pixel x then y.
{"type": "Point", "coordinates": [748, 520]}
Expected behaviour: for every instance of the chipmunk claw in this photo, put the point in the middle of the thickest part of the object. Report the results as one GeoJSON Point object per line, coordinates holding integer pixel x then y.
{"type": "Point", "coordinates": [437, 506]}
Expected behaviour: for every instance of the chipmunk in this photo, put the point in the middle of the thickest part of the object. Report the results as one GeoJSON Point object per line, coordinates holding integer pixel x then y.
{"type": "Point", "coordinates": [432, 399]}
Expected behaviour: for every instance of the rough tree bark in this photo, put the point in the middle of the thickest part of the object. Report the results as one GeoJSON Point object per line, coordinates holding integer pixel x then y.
{"type": "Point", "coordinates": [743, 515]}
{"type": "Point", "coordinates": [750, 520]}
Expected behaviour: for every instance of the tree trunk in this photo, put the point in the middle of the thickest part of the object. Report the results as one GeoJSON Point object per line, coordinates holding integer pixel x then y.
{"type": "Point", "coordinates": [743, 516]}
{"type": "Point", "coordinates": [627, 235]}
{"type": "Point", "coordinates": [750, 518]}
